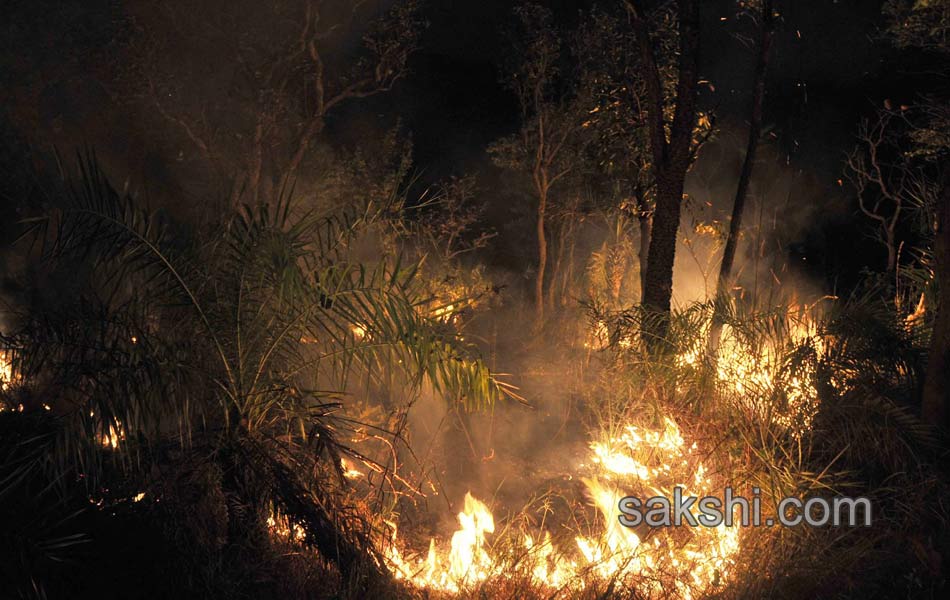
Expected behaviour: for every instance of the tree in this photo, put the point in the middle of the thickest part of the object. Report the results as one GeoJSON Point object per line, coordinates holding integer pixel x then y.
{"type": "Point", "coordinates": [925, 24]}
{"type": "Point", "coordinates": [765, 25]}
{"type": "Point", "coordinates": [673, 149]}
{"type": "Point", "coordinates": [934, 404]}
{"type": "Point", "coordinates": [880, 172]}
{"type": "Point", "coordinates": [223, 347]}
{"type": "Point", "coordinates": [450, 219]}
{"type": "Point", "coordinates": [620, 148]}
{"type": "Point", "coordinates": [285, 66]}
{"type": "Point", "coordinates": [549, 144]}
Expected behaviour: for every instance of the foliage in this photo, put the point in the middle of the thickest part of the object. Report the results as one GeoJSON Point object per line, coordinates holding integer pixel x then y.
{"type": "Point", "coordinates": [236, 349]}
{"type": "Point", "coordinates": [285, 66]}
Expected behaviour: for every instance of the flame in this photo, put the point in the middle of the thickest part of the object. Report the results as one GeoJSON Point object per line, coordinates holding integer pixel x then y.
{"type": "Point", "coordinates": [467, 562]}
{"type": "Point", "coordinates": [915, 317]}
{"type": "Point", "coordinates": [751, 374]}
{"type": "Point", "coordinates": [281, 527]}
{"type": "Point", "coordinates": [349, 471]}
{"type": "Point", "coordinates": [112, 438]}
{"type": "Point", "coordinates": [6, 370]}
{"type": "Point", "coordinates": [655, 461]}
{"type": "Point", "coordinates": [444, 313]}
{"type": "Point", "coordinates": [599, 336]}
{"type": "Point", "coordinates": [639, 459]}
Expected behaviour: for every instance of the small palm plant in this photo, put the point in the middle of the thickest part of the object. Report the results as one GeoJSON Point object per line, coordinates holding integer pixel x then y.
{"type": "Point", "coordinates": [233, 345]}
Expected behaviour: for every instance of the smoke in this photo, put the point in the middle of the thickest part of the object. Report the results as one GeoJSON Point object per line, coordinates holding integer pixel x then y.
{"type": "Point", "coordinates": [786, 206]}
{"type": "Point", "coordinates": [503, 453]}
{"type": "Point", "coordinates": [511, 452]}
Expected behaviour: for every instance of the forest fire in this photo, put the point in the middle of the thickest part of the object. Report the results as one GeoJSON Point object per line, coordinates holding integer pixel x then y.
{"type": "Point", "coordinates": [350, 471]}
{"type": "Point", "coordinates": [466, 563]}
{"type": "Point", "coordinates": [751, 368]}
{"type": "Point", "coordinates": [754, 374]}
{"type": "Point", "coordinates": [110, 438]}
{"type": "Point", "coordinates": [332, 299]}
{"type": "Point", "coordinates": [638, 459]}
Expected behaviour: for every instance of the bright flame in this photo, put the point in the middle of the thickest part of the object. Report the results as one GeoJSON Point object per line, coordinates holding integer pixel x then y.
{"type": "Point", "coordinates": [655, 461]}
{"type": "Point", "coordinates": [349, 471]}
{"type": "Point", "coordinates": [112, 438]}
{"type": "Point", "coordinates": [751, 374]}
{"type": "Point", "coordinates": [915, 317]}
{"type": "Point", "coordinates": [468, 561]}
{"type": "Point", "coordinates": [645, 460]}
{"type": "Point", "coordinates": [444, 313]}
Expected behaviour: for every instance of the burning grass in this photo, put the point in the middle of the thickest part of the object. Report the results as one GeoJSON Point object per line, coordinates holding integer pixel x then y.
{"type": "Point", "coordinates": [602, 553]}
{"type": "Point", "coordinates": [761, 425]}
{"type": "Point", "coordinates": [231, 443]}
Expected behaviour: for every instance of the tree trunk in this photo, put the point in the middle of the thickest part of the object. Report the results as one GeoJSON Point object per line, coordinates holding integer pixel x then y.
{"type": "Point", "coordinates": [937, 379]}
{"type": "Point", "coordinates": [724, 283]}
{"type": "Point", "coordinates": [237, 189]}
{"type": "Point", "coordinates": [558, 262]}
{"type": "Point", "coordinates": [658, 279]}
{"type": "Point", "coordinates": [671, 160]}
{"type": "Point", "coordinates": [542, 259]}
{"type": "Point", "coordinates": [314, 127]}
{"type": "Point", "coordinates": [890, 240]}
{"type": "Point", "coordinates": [646, 228]}
{"type": "Point", "coordinates": [568, 280]}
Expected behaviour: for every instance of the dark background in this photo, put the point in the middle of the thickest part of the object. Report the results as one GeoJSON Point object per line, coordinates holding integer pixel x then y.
{"type": "Point", "coordinates": [829, 69]}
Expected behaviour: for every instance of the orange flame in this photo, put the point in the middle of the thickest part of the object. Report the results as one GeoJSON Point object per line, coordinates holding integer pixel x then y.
{"type": "Point", "coordinates": [644, 459]}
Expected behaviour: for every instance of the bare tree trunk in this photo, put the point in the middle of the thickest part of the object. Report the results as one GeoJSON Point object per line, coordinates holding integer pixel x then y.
{"type": "Point", "coordinates": [937, 380]}
{"type": "Point", "coordinates": [646, 232]}
{"type": "Point", "coordinates": [891, 242]}
{"type": "Point", "coordinates": [313, 128]}
{"type": "Point", "coordinates": [658, 279]}
{"type": "Point", "coordinates": [568, 279]}
{"type": "Point", "coordinates": [724, 283]}
{"type": "Point", "coordinates": [237, 189]}
{"type": "Point", "coordinates": [542, 259]}
{"type": "Point", "coordinates": [671, 160]}
{"type": "Point", "coordinates": [553, 288]}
